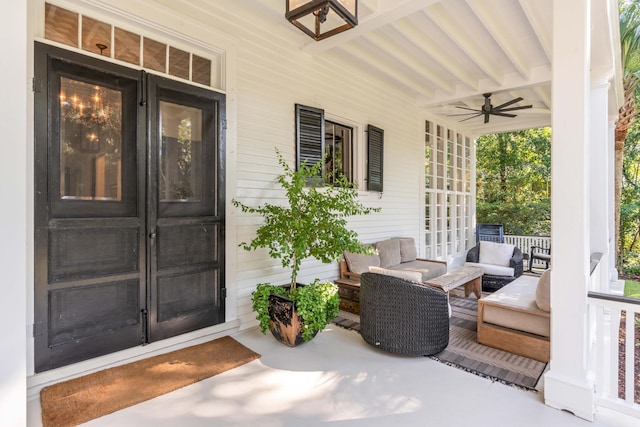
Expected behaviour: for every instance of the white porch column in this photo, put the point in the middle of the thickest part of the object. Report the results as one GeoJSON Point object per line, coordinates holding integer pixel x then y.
{"type": "Point", "coordinates": [600, 176]}
{"type": "Point", "coordinates": [567, 385]}
{"type": "Point", "coordinates": [611, 161]}
{"type": "Point", "coordinates": [13, 216]}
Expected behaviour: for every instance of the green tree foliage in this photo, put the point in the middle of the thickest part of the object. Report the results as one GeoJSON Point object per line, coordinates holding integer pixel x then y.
{"type": "Point", "coordinates": [630, 203]}
{"type": "Point", "coordinates": [513, 178]}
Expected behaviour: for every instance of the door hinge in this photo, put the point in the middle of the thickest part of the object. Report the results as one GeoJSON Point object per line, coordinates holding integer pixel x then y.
{"type": "Point", "coordinates": [143, 88]}
{"type": "Point", "coordinates": [145, 322]}
{"type": "Point", "coordinates": [224, 124]}
{"type": "Point", "coordinates": [224, 293]}
{"type": "Point", "coordinates": [33, 85]}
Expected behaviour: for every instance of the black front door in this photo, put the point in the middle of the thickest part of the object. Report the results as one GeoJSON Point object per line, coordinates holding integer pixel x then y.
{"type": "Point", "coordinates": [129, 208]}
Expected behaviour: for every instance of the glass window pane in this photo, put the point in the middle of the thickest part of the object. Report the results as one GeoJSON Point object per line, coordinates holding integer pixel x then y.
{"type": "Point", "coordinates": [127, 46]}
{"type": "Point", "coordinates": [90, 141]}
{"type": "Point", "coordinates": [155, 55]}
{"type": "Point", "coordinates": [201, 70]}
{"type": "Point", "coordinates": [96, 36]}
{"type": "Point", "coordinates": [61, 25]}
{"type": "Point", "coordinates": [180, 153]}
{"type": "Point", "coordinates": [178, 63]}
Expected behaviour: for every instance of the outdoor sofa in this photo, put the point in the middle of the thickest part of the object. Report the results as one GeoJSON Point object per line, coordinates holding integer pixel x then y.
{"type": "Point", "coordinates": [516, 318]}
{"type": "Point", "coordinates": [397, 255]}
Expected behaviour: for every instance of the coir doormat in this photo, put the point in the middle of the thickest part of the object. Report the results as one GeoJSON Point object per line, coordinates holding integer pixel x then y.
{"type": "Point", "coordinates": [82, 399]}
{"type": "Point", "coordinates": [464, 352]}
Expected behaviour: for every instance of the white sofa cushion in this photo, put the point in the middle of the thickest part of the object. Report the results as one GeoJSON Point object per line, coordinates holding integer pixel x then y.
{"type": "Point", "coordinates": [360, 263]}
{"type": "Point", "coordinates": [389, 252]}
{"type": "Point", "coordinates": [493, 270]}
{"type": "Point", "coordinates": [495, 253]}
{"type": "Point", "coordinates": [514, 306]}
{"type": "Point", "coordinates": [408, 250]}
{"type": "Point", "coordinates": [411, 276]}
{"type": "Point", "coordinates": [428, 269]}
{"type": "Point", "coordinates": [543, 291]}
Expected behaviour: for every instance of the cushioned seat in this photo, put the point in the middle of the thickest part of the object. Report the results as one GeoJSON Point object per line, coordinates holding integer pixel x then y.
{"type": "Point", "coordinates": [403, 317]}
{"type": "Point", "coordinates": [515, 307]}
{"type": "Point", "coordinates": [502, 263]}
{"type": "Point", "coordinates": [516, 318]}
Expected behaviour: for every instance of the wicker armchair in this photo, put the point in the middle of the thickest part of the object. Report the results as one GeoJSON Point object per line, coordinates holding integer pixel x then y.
{"type": "Point", "coordinates": [491, 283]}
{"type": "Point", "coordinates": [403, 317]}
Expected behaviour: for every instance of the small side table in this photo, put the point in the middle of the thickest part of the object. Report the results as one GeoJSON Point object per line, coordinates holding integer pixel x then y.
{"type": "Point", "coordinates": [349, 291]}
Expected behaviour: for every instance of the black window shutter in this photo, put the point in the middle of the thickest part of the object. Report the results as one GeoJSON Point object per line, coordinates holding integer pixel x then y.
{"type": "Point", "coordinates": [309, 135]}
{"type": "Point", "coordinates": [375, 154]}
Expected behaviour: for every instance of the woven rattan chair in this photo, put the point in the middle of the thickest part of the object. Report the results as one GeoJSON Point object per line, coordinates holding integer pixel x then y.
{"type": "Point", "coordinates": [491, 283]}
{"type": "Point", "coordinates": [403, 317]}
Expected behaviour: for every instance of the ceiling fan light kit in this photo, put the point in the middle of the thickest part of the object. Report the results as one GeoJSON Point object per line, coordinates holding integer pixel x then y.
{"type": "Point", "coordinates": [489, 109]}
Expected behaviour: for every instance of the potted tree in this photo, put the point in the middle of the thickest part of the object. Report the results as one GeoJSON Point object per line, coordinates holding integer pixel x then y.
{"type": "Point", "coordinates": [312, 224]}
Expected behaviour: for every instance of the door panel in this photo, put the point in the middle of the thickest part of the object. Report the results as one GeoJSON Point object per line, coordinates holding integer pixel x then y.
{"type": "Point", "coordinates": [129, 208]}
{"type": "Point", "coordinates": [185, 249]}
{"type": "Point", "coordinates": [89, 284]}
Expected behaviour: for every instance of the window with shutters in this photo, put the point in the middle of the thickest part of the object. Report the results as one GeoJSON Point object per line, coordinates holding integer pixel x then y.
{"type": "Point", "coordinates": [335, 142]}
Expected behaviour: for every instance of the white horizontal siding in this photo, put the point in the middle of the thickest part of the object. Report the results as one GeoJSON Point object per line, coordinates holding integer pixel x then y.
{"type": "Point", "coordinates": [266, 74]}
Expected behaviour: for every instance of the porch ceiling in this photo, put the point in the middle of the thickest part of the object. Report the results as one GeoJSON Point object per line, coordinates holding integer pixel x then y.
{"type": "Point", "coordinates": [445, 54]}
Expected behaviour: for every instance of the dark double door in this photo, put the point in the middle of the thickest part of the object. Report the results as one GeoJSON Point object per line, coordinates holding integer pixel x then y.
{"type": "Point", "coordinates": [129, 208]}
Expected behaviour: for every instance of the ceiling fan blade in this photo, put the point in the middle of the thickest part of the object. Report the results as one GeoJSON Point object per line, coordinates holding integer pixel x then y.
{"type": "Point", "coordinates": [467, 108]}
{"type": "Point", "coordinates": [506, 104]}
{"type": "Point", "coordinates": [498, 113]}
{"type": "Point", "coordinates": [514, 108]}
{"type": "Point", "coordinates": [472, 117]}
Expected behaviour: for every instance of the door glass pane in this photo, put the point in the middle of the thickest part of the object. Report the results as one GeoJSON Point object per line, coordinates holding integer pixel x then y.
{"type": "Point", "coordinates": [180, 153]}
{"type": "Point", "coordinates": [90, 141]}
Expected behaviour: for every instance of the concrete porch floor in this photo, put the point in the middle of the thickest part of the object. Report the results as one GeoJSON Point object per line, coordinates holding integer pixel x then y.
{"type": "Point", "coordinates": [339, 380]}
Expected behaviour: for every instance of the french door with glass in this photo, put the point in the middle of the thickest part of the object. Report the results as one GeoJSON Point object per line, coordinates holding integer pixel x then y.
{"type": "Point", "coordinates": [129, 207]}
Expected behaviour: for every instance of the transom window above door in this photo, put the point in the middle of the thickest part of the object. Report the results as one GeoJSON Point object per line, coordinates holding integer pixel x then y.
{"type": "Point", "coordinates": [80, 31]}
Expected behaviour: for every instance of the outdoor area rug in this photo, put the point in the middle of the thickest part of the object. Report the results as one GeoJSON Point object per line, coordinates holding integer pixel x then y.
{"type": "Point", "coordinates": [465, 353]}
{"type": "Point", "coordinates": [82, 399]}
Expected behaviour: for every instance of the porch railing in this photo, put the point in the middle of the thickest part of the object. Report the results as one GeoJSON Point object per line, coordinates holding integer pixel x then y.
{"type": "Point", "coordinates": [608, 336]}
{"type": "Point", "coordinates": [524, 243]}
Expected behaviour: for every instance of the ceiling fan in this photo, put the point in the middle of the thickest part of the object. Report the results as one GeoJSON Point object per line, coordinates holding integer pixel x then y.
{"type": "Point", "coordinates": [487, 109]}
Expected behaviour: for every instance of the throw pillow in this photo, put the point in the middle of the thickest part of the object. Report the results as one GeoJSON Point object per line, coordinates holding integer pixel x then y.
{"type": "Point", "coordinates": [408, 250]}
{"type": "Point", "coordinates": [495, 253]}
{"type": "Point", "coordinates": [543, 291]}
{"type": "Point", "coordinates": [410, 276]}
{"type": "Point", "coordinates": [360, 263]}
{"type": "Point", "coordinates": [389, 252]}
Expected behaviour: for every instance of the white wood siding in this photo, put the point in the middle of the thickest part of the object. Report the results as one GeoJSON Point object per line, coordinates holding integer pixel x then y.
{"type": "Point", "coordinates": [265, 74]}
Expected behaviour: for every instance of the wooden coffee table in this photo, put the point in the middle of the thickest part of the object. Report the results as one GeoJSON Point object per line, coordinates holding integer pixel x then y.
{"type": "Point", "coordinates": [467, 276]}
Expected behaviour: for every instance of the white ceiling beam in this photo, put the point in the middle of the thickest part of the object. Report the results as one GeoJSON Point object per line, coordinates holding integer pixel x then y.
{"type": "Point", "coordinates": [396, 51]}
{"type": "Point", "coordinates": [512, 81]}
{"type": "Point", "coordinates": [395, 75]}
{"type": "Point", "coordinates": [388, 12]}
{"type": "Point", "coordinates": [464, 41]}
{"type": "Point", "coordinates": [544, 94]}
{"type": "Point", "coordinates": [439, 55]}
{"type": "Point", "coordinates": [495, 28]}
{"type": "Point", "coordinates": [532, 12]}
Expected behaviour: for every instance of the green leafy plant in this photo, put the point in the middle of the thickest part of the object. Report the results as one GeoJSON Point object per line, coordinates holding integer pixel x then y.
{"type": "Point", "coordinates": [316, 303]}
{"type": "Point", "coordinates": [312, 224]}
